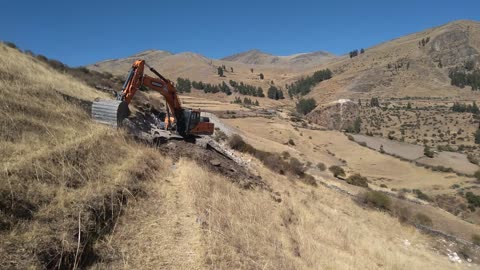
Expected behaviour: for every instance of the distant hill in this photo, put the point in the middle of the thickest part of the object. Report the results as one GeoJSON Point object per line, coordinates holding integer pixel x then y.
{"type": "Point", "coordinates": [415, 65]}
{"type": "Point", "coordinates": [257, 57]}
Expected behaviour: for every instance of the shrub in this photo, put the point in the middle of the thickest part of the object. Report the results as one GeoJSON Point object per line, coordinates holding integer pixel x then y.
{"type": "Point", "coordinates": [357, 180]}
{"type": "Point", "coordinates": [421, 195]}
{"type": "Point", "coordinates": [383, 186]}
{"type": "Point", "coordinates": [476, 239]}
{"type": "Point", "coordinates": [321, 166]}
{"type": "Point", "coordinates": [477, 175]}
{"type": "Point", "coordinates": [402, 213]}
{"type": "Point", "coordinates": [285, 155]}
{"type": "Point", "coordinates": [423, 219]}
{"type": "Point", "coordinates": [472, 199]}
{"type": "Point", "coordinates": [337, 170]}
{"type": "Point", "coordinates": [220, 136]}
{"type": "Point", "coordinates": [236, 142]}
{"type": "Point", "coordinates": [10, 44]}
{"type": "Point", "coordinates": [350, 137]}
{"type": "Point", "coordinates": [308, 179]}
{"type": "Point", "coordinates": [472, 159]}
{"type": "Point", "coordinates": [304, 106]}
{"type": "Point", "coordinates": [427, 151]}
{"type": "Point", "coordinates": [296, 166]}
{"type": "Point", "coordinates": [377, 199]}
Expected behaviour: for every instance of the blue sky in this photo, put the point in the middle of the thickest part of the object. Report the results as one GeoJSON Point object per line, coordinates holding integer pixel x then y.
{"type": "Point", "coordinates": [83, 32]}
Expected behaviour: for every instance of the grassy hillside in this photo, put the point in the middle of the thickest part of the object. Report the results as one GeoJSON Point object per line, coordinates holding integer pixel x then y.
{"type": "Point", "coordinates": [64, 179]}
{"type": "Point", "coordinates": [212, 224]}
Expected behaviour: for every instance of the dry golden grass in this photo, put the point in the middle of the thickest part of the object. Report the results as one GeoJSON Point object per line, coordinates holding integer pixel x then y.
{"type": "Point", "coordinates": [60, 172]}
{"type": "Point", "coordinates": [312, 228]}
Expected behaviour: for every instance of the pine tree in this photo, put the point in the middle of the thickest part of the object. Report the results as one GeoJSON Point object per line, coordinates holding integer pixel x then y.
{"type": "Point", "coordinates": [220, 71]}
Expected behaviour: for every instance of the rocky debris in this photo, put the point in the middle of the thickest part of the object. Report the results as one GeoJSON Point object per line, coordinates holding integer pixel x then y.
{"type": "Point", "coordinates": [146, 126]}
{"type": "Point", "coordinates": [215, 162]}
{"type": "Point", "coordinates": [338, 115]}
{"type": "Point", "coordinates": [453, 257]}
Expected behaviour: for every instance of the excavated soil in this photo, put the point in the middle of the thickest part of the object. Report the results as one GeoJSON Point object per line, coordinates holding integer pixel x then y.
{"type": "Point", "coordinates": [213, 161]}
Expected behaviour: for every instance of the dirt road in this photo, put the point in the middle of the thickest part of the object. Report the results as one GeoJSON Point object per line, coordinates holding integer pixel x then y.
{"type": "Point", "coordinates": [161, 232]}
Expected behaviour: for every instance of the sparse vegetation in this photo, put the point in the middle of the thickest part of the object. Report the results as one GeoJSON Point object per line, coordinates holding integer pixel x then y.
{"type": "Point", "coordinates": [462, 78]}
{"type": "Point", "coordinates": [423, 219]}
{"type": "Point", "coordinates": [476, 239]}
{"type": "Point", "coordinates": [472, 199]}
{"type": "Point", "coordinates": [374, 102]}
{"type": "Point", "coordinates": [337, 171]}
{"type": "Point", "coordinates": [211, 88]}
{"type": "Point", "coordinates": [184, 85]}
{"type": "Point", "coordinates": [305, 85]}
{"type": "Point", "coordinates": [462, 107]}
{"type": "Point", "coordinates": [321, 166]}
{"type": "Point", "coordinates": [421, 195]}
{"type": "Point", "coordinates": [427, 151]}
{"type": "Point", "coordinates": [304, 106]}
{"type": "Point", "coordinates": [275, 93]}
{"type": "Point", "coordinates": [274, 161]}
{"type": "Point", "coordinates": [477, 175]}
{"type": "Point", "coordinates": [357, 180]}
{"type": "Point", "coordinates": [376, 199]}
{"type": "Point", "coordinates": [245, 89]}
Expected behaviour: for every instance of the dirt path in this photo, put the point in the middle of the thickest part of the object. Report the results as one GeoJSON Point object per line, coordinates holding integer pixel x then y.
{"type": "Point", "coordinates": [160, 232]}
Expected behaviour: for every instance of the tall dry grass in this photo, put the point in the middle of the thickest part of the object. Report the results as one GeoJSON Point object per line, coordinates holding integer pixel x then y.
{"type": "Point", "coordinates": [312, 228]}
{"type": "Point", "coordinates": [64, 180]}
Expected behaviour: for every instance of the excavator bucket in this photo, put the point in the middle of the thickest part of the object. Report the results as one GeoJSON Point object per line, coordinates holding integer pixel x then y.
{"type": "Point", "coordinates": [110, 112]}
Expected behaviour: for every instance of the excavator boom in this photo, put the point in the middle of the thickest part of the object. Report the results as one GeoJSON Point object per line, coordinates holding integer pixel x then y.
{"type": "Point", "coordinates": [188, 122]}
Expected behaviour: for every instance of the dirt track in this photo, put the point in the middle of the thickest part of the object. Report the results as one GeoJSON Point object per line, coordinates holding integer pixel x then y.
{"type": "Point", "coordinates": [457, 161]}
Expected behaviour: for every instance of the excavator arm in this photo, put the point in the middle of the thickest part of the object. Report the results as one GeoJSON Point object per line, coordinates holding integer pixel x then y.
{"type": "Point", "coordinates": [188, 121]}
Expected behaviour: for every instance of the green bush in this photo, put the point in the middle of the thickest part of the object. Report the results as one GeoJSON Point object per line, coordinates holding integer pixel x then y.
{"type": "Point", "coordinates": [423, 219]}
{"type": "Point", "coordinates": [472, 199]}
{"type": "Point", "coordinates": [357, 180]}
{"type": "Point", "coordinates": [377, 199]}
{"type": "Point", "coordinates": [304, 106]}
{"type": "Point", "coordinates": [337, 170]}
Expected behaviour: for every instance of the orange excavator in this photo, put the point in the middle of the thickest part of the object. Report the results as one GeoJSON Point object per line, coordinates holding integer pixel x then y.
{"type": "Point", "coordinates": [185, 122]}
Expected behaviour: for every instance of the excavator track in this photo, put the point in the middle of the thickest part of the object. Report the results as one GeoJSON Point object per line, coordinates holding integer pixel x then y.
{"type": "Point", "coordinates": [110, 112]}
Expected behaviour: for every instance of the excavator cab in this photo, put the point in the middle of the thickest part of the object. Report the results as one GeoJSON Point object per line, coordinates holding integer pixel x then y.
{"type": "Point", "coordinates": [196, 124]}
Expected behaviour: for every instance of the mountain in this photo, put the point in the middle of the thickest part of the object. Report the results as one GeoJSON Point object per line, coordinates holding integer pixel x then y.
{"type": "Point", "coordinates": [257, 57]}
{"type": "Point", "coordinates": [413, 65]}
{"type": "Point", "coordinates": [416, 65]}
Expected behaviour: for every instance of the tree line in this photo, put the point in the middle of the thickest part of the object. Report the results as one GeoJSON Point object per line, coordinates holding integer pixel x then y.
{"type": "Point", "coordinates": [462, 107]}
{"type": "Point", "coordinates": [246, 101]}
{"type": "Point", "coordinates": [461, 78]}
{"type": "Point", "coordinates": [245, 89]}
{"type": "Point", "coordinates": [212, 88]}
{"type": "Point", "coordinates": [305, 84]}
{"type": "Point", "coordinates": [355, 52]}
